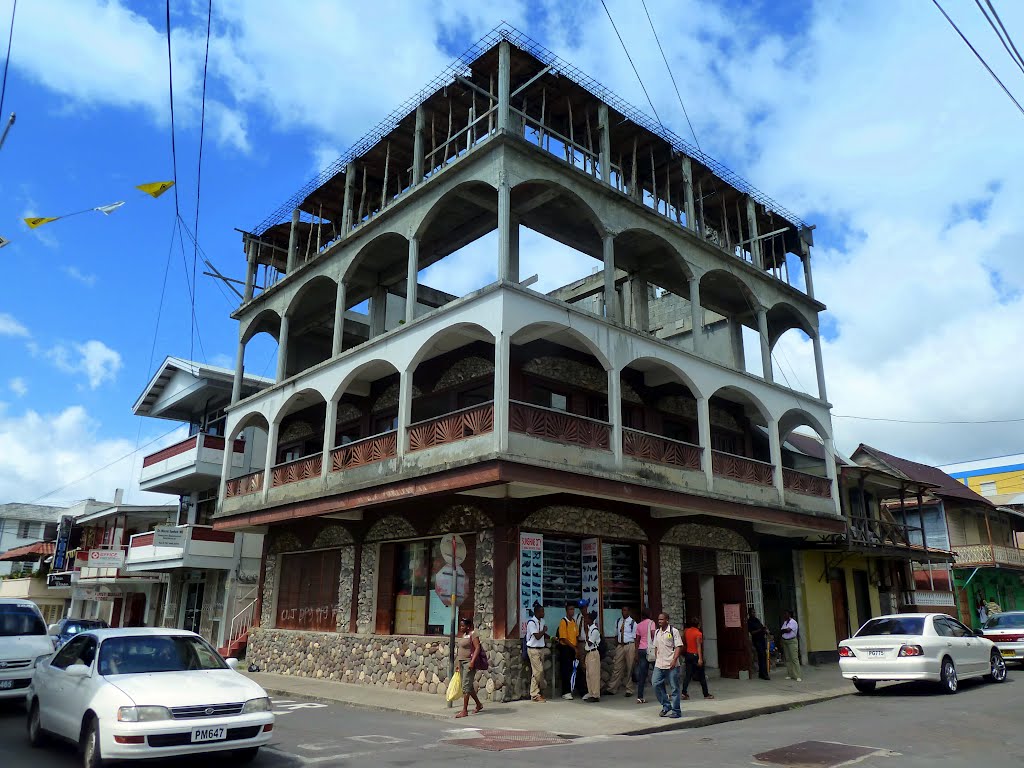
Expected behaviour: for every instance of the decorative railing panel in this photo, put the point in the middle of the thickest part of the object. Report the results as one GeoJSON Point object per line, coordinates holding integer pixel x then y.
{"type": "Point", "coordinates": [468, 422]}
{"type": "Point", "coordinates": [245, 484]}
{"type": "Point", "coordinates": [299, 469]}
{"type": "Point", "coordinates": [983, 554]}
{"type": "Point", "coordinates": [929, 597]}
{"type": "Point", "coordinates": [366, 451]}
{"type": "Point", "coordinates": [809, 485]}
{"type": "Point", "coordinates": [561, 427]}
{"type": "Point", "coordinates": [864, 530]}
{"type": "Point", "coordinates": [741, 468]}
{"type": "Point", "coordinates": [661, 450]}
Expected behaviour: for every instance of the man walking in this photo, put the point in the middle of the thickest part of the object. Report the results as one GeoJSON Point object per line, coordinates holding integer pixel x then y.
{"type": "Point", "coordinates": [693, 642]}
{"type": "Point", "coordinates": [536, 643]}
{"type": "Point", "coordinates": [790, 646]}
{"type": "Point", "coordinates": [592, 646]}
{"type": "Point", "coordinates": [668, 645]}
{"type": "Point", "coordinates": [759, 642]}
{"type": "Point", "coordinates": [568, 653]}
{"type": "Point", "coordinates": [625, 653]}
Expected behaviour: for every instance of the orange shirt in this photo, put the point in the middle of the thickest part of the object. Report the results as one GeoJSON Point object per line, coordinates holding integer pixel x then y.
{"type": "Point", "coordinates": [692, 638]}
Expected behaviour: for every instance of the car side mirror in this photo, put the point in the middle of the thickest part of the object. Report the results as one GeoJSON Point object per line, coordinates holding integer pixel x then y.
{"type": "Point", "coordinates": [77, 670]}
{"type": "Point", "coordinates": [232, 663]}
{"type": "Point", "coordinates": [53, 629]}
{"type": "Point", "coordinates": [979, 632]}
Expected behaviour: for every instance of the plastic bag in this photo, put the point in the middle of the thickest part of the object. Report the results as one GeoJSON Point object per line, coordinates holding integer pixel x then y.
{"type": "Point", "coordinates": [455, 686]}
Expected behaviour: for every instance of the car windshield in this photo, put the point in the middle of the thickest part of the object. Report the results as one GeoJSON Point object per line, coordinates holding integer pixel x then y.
{"type": "Point", "coordinates": [18, 620]}
{"type": "Point", "coordinates": [144, 654]}
{"type": "Point", "coordinates": [1006, 621]}
{"type": "Point", "coordinates": [904, 625]}
{"type": "Point", "coordinates": [73, 628]}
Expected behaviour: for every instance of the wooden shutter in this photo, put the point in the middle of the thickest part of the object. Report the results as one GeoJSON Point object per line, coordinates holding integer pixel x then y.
{"type": "Point", "coordinates": [385, 589]}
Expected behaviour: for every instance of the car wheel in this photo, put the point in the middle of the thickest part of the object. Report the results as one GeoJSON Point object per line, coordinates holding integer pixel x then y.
{"type": "Point", "coordinates": [950, 682]}
{"type": "Point", "coordinates": [997, 668]}
{"type": "Point", "coordinates": [864, 686]}
{"type": "Point", "coordinates": [36, 734]}
{"type": "Point", "coordinates": [90, 746]}
{"type": "Point", "coordinates": [246, 756]}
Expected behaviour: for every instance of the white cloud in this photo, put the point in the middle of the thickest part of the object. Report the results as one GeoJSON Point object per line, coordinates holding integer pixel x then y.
{"type": "Point", "coordinates": [85, 278]}
{"type": "Point", "coordinates": [93, 359]}
{"type": "Point", "coordinates": [9, 326]}
{"type": "Point", "coordinates": [18, 386]}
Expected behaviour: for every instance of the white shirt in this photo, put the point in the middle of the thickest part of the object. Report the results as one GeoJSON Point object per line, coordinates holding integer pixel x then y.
{"type": "Point", "coordinates": [593, 637]}
{"type": "Point", "coordinates": [790, 629]}
{"type": "Point", "coordinates": [533, 626]}
{"type": "Point", "coordinates": [665, 643]}
{"type": "Point", "coordinates": [625, 630]}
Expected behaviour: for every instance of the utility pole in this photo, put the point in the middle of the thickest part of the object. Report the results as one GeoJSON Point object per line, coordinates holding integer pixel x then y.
{"type": "Point", "coordinates": [7, 128]}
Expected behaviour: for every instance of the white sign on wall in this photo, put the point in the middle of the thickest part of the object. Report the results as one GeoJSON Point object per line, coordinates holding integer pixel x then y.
{"type": "Point", "coordinates": [591, 581]}
{"type": "Point", "coordinates": [169, 536]}
{"type": "Point", "coordinates": [531, 576]}
{"type": "Point", "coordinates": [106, 558]}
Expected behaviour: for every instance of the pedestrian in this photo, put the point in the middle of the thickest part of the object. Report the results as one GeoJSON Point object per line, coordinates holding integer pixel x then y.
{"type": "Point", "coordinates": [582, 609]}
{"type": "Point", "coordinates": [645, 654]}
{"type": "Point", "coordinates": [592, 660]}
{"type": "Point", "coordinates": [759, 642]}
{"type": "Point", "coordinates": [791, 646]}
{"type": "Point", "coordinates": [693, 654]}
{"type": "Point", "coordinates": [667, 647]}
{"type": "Point", "coordinates": [568, 652]}
{"type": "Point", "coordinates": [625, 653]}
{"type": "Point", "coordinates": [536, 643]}
{"type": "Point", "coordinates": [982, 611]}
{"type": "Point", "coordinates": [468, 644]}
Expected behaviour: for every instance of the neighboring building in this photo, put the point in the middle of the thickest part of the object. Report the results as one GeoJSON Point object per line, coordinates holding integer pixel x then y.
{"type": "Point", "coordinates": [210, 576]}
{"type": "Point", "coordinates": [23, 524]}
{"type": "Point", "coordinates": [30, 582]}
{"type": "Point", "coordinates": [578, 442]}
{"type": "Point", "coordinates": [989, 562]}
{"type": "Point", "coordinates": [999, 476]}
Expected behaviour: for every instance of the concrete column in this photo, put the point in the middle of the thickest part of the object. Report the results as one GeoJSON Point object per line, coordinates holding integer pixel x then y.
{"type": "Point", "coordinates": [615, 413]}
{"type": "Point", "coordinates": [330, 425]}
{"type": "Point", "coordinates": [236, 385]}
{"type": "Point", "coordinates": [688, 205]}
{"type": "Point", "coordinates": [832, 473]}
{"type": "Point", "coordinates": [404, 410]}
{"type": "Point", "coordinates": [339, 319]}
{"type": "Point", "coordinates": [250, 271]}
{"type": "Point", "coordinates": [754, 246]}
{"type": "Point", "coordinates": [282, 351]}
{"type": "Point", "coordinates": [766, 350]}
{"type": "Point", "coordinates": [639, 304]}
{"type": "Point", "coordinates": [805, 257]}
{"type": "Point", "coordinates": [346, 206]}
{"type": "Point", "coordinates": [611, 303]}
{"type": "Point", "coordinates": [819, 365]}
{"type": "Point", "coordinates": [736, 336]}
{"type": "Point", "coordinates": [605, 156]}
{"type": "Point", "coordinates": [412, 271]}
{"type": "Point", "coordinates": [378, 310]}
{"type": "Point", "coordinates": [268, 466]}
{"type": "Point", "coordinates": [293, 243]}
{"type": "Point", "coordinates": [513, 249]}
{"type": "Point", "coordinates": [505, 229]}
{"type": "Point", "coordinates": [417, 147]}
{"type": "Point", "coordinates": [775, 446]}
{"type": "Point", "coordinates": [696, 316]}
{"type": "Point", "coordinates": [504, 83]}
{"type": "Point", "coordinates": [502, 391]}
{"type": "Point", "coordinates": [704, 432]}
{"type": "Point", "coordinates": [225, 475]}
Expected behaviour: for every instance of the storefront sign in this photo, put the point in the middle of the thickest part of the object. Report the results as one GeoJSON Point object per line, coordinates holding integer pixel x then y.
{"type": "Point", "coordinates": [731, 614]}
{"type": "Point", "coordinates": [531, 575]}
{"type": "Point", "coordinates": [169, 536]}
{"type": "Point", "coordinates": [63, 538]}
{"type": "Point", "coordinates": [443, 585]}
{"type": "Point", "coordinates": [106, 558]}
{"type": "Point", "coordinates": [591, 582]}
{"type": "Point", "coordinates": [453, 546]}
{"type": "Point", "coordinates": [58, 580]}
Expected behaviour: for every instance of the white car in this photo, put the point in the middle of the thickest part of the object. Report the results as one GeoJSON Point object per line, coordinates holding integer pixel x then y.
{"type": "Point", "coordinates": [129, 694]}
{"type": "Point", "coordinates": [1006, 630]}
{"type": "Point", "coordinates": [918, 646]}
{"type": "Point", "coordinates": [23, 643]}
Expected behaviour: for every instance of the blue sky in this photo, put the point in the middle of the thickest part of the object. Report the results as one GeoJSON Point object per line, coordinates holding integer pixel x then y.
{"type": "Point", "coordinates": [864, 118]}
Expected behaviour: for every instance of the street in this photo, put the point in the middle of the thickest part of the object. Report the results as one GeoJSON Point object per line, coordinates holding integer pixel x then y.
{"type": "Point", "coordinates": [902, 726]}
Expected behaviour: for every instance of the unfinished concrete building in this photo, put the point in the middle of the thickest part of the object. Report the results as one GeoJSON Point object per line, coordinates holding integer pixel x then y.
{"type": "Point", "coordinates": [604, 440]}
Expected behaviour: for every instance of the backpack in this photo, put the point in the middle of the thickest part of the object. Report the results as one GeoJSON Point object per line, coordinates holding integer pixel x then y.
{"type": "Point", "coordinates": [523, 651]}
{"type": "Point", "coordinates": [523, 646]}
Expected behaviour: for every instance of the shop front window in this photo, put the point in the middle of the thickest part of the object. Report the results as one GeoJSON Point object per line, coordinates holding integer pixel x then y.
{"type": "Point", "coordinates": [620, 582]}
{"type": "Point", "coordinates": [406, 589]}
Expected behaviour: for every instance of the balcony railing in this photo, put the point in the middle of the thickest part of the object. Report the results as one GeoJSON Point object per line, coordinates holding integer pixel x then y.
{"type": "Point", "coordinates": [450, 427]}
{"type": "Point", "coordinates": [929, 597]}
{"type": "Point", "coordinates": [299, 469]}
{"type": "Point", "coordinates": [881, 533]}
{"type": "Point", "coordinates": [200, 440]}
{"type": "Point", "coordinates": [201, 546]}
{"type": "Point", "coordinates": [983, 554]}
{"type": "Point", "coordinates": [741, 468]}
{"type": "Point", "coordinates": [245, 484]}
{"type": "Point", "coordinates": [807, 484]}
{"type": "Point", "coordinates": [559, 426]}
{"type": "Point", "coordinates": [366, 451]}
{"type": "Point", "coordinates": [660, 450]}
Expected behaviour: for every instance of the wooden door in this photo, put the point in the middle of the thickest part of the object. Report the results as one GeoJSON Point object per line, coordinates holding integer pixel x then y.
{"type": "Point", "coordinates": [840, 611]}
{"type": "Point", "coordinates": [730, 616]}
{"type": "Point", "coordinates": [691, 600]}
{"type": "Point", "coordinates": [134, 610]}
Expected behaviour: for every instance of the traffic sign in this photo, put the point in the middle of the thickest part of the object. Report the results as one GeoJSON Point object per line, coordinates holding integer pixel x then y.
{"type": "Point", "coordinates": [459, 546]}
{"type": "Point", "coordinates": [443, 585]}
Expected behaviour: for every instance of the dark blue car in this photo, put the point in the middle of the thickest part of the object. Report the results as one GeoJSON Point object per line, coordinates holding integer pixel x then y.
{"type": "Point", "coordinates": [65, 629]}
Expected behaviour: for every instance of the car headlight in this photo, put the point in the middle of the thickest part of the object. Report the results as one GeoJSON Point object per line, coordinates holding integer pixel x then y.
{"type": "Point", "coordinates": [142, 714]}
{"type": "Point", "coordinates": [256, 705]}
{"type": "Point", "coordinates": [40, 659]}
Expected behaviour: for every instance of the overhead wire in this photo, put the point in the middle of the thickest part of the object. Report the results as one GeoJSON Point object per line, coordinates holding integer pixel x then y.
{"type": "Point", "coordinates": [927, 421]}
{"type": "Point", "coordinates": [635, 70]}
{"type": "Point", "coordinates": [7, 60]}
{"type": "Point", "coordinates": [1001, 33]}
{"type": "Point", "coordinates": [671, 75]}
{"type": "Point", "coordinates": [199, 177]}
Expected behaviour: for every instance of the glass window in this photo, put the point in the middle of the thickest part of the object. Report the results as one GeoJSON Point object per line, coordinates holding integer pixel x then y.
{"type": "Point", "coordinates": [959, 630]}
{"type": "Point", "coordinates": [562, 578]}
{"type": "Point", "coordinates": [620, 581]}
{"type": "Point", "coordinates": [418, 609]}
{"type": "Point", "coordinates": [17, 620]}
{"type": "Point", "coordinates": [147, 654]}
{"type": "Point", "coordinates": [81, 650]}
{"type": "Point", "coordinates": [385, 424]}
{"type": "Point", "coordinates": [910, 625]}
{"type": "Point", "coordinates": [547, 397]}
{"type": "Point", "coordinates": [476, 396]}
{"type": "Point", "coordinates": [988, 489]}
{"type": "Point", "coordinates": [1006, 621]}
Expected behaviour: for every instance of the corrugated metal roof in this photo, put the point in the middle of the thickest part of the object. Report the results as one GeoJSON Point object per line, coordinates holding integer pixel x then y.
{"type": "Point", "coordinates": [945, 486]}
{"type": "Point", "coordinates": [30, 551]}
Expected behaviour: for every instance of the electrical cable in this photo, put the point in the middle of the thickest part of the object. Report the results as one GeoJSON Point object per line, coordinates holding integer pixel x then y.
{"type": "Point", "coordinates": [1001, 33]}
{"type": "Point", "coordinates": [927, 421]}
{"type": "Point", "coordinates": [199, 177]}
{"type": "Point", "coordinates": [635, 70]}
{"type": "Point", "coordinates": [170, 87]}
{"type": "Point", "coordinates": [7, 61]}
{"type": "Point", "coordinates": [671, 76]}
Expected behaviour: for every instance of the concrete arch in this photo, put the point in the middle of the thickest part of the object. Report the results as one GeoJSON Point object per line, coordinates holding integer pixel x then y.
{"type": "Point", "coordinates": [313, 285]}
{"type": "Point", "coordinates": [266, 321]}
{"type": "Point", "coordinates": [303, 398]}
{"type": "Point", "coordinates": [251, 419]}
{"type": "Point", "coordinates": [548, 328]}
{"type": "Point", "coordinates": [647, 244]}
{"type": "Point", "coordinates": [428, 346]}
{"type": "Point", "coordinates": [524, 188]}
{"type": "Point", "coordinates": [463, 188]}
{"type": "Point", "coordinates": [798, 417]}
{"type": "Point", "coordinates": [783, 317]}
{"type": "Point", "coordinates": [378, 366]}
{"type": "Point", "coordinates": [744, 396]}
{"type": "Point", "coordinates": [383, 243]}
{"type": "Point", "coordinates": [655, 362]}
{"type": "Point", "coordinates": [728, 294]}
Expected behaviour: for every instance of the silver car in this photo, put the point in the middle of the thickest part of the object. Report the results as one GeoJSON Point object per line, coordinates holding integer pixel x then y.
{"type": "Point", "coordinates": [1006, 630]}
{"type": "Point", "coordinates": [918, 646]}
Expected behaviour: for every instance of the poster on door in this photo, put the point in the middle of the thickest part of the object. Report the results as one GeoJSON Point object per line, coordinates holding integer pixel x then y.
{"type": "Point", "coordinates": [531, 576]}
{"type": "Point", "coordinates": [590, 562]}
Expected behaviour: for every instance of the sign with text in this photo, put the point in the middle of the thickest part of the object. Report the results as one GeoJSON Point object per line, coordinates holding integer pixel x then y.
{"type": "Point", "coordinates": [444, 584]}
{"type": "Point", "coordinates": [531, 576]}
{"type": "Point", "coordinates": [63, 538]}
{"type": "Point", "coordinates": [731, 614]}
{"type": "Point", "coordinates": [591, 582]}
{"type": "Point", "coordinates": [58, 580]}
{"type": "Point", "coordinates": [106, 558]}
{"type": "Point", "coordinates": [169, 536]}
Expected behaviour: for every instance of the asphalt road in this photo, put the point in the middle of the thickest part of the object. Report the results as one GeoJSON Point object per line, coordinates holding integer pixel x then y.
{"type": "Point", "coordinates": [901, 726]}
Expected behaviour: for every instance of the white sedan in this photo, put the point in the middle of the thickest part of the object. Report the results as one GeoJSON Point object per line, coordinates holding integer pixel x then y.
{"type": "Point", "coordinates": [123, 694]}
{"type": "Point", "coordinates": [1006, 630]}
{"type": "Point", "coordinates": [918, 646]}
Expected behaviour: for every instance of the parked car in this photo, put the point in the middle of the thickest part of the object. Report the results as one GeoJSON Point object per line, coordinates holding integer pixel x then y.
{"type": "Point", "coordinates": [67, 628]}
{"type": "Point", "coordinates": [23, 643]}
{"type": "Point", "coordinates": [130, 694]}
{"type": "Point", "coordinates": [918, 646]}
{"type": "Point", "coordinates": [1006, 630]}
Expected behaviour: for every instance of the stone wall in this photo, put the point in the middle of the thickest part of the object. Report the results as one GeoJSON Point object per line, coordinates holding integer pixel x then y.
{"type": "Point", "coordinates": [269, 587]}
{"type": "Point", "coordinates": [386, 661]}
{"type": "Point", "coordinates": [365, 617]}
{"type": "Point", "coordinates": [671, 581]}
{"type": "Point", "coordinates": [346, 578]}
{"type": "Point", "coordinates": [483, 585]}
{"type": "Point", "coordinates": [595, 522]}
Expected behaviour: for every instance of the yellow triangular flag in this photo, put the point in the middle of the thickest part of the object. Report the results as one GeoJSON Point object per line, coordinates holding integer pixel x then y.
{"type": "Point", "coordinates": [155, 188]}
{"type": "Point", "coordinates": [39, 221]}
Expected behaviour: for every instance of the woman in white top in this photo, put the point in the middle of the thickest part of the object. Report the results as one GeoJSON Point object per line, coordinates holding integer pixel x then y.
{"type": "Point", "coordinates": [592, 660]}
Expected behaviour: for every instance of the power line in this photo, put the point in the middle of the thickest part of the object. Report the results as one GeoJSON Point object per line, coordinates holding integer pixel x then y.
{"type": "Point", "coordinates": [170, 87]}
{"type": "Point", "coordinates": [1001, 33]}
{"type": "Point", "coordinates": [199, 177]}
{"type": "Point", "coordinates": [7, 61]}
{"type": "Point", "coordinates": [635, 70]}
{"type": "Point", "coordinates": [979, 56]}
{"type": "Point", "coordinates": [927, 421]}
{"type": "Point", "coordinates": [672, 76]}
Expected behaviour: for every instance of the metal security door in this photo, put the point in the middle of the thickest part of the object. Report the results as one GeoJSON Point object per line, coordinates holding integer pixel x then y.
{"type": "Point", "coordinates": [192, 614]}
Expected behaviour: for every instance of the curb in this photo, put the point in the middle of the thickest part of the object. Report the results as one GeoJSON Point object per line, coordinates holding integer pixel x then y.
{"type": "Point", "coordinates": [356, 705]}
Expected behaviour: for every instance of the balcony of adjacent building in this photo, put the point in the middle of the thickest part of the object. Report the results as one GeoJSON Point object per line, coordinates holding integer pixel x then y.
{"type": "Point", "coordinates": [189, 546]}
{"type": "Point", "coordinates": [191, 464]}
{"type": "Point", "coordinates": [509, 374]}
{"type": "Point", "coordinates": [989, 555]}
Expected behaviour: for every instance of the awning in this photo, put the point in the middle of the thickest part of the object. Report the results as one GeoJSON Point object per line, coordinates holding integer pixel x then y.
{"type": "Point", "coordinates": [30, 552]}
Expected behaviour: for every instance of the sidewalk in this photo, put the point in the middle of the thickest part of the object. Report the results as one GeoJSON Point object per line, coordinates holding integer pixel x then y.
{"type": "Point", "coordinates": [734, 700]}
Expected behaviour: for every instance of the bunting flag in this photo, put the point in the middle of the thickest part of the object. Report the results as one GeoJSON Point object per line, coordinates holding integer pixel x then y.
{"type": "Point", "coordinates": [155, 188]}
{"type": "Point", "coordinates": [3, 241]}
{"type": "Point", "coordinates": [39, 221]}
{"type": "Point", "coordinates": [106, 210]}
